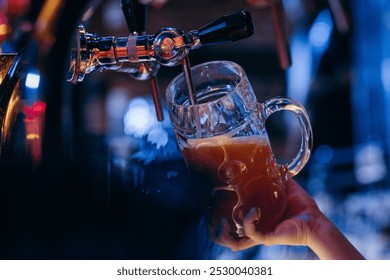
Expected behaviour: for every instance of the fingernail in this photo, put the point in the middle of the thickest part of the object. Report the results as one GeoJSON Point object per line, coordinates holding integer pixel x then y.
{"type": "Point", "coordinates": [255, 212]}
{"type": "Point", "coordinates": [250, 213]}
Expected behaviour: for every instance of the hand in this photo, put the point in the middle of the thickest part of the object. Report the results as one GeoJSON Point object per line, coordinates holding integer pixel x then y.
{"type": "Point", "coordinates": [300, 217]}
{"type": "Point", "coordinates": [303, 224]}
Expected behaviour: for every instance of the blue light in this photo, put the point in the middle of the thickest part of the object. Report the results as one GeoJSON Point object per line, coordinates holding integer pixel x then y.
{"type": "Point", "coordinates": [32, 80]}
{"type": "Point", "coordinates": [385, 74]}
{"type": "Point", "coordinates": [138, 119]}
{"type": "Point", "coordinates": [323, 154]}
{"type": "Point", "coordinates": [370, 165]}
{"type": "Point", "coordinates": [321, 30]}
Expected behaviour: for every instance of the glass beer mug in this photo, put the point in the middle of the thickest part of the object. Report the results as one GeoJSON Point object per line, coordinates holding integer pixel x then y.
{"type": "Point", "coordinates": [225, 144]}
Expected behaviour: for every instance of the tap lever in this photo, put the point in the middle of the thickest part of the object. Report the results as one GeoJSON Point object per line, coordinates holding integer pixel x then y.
{"type": "Point", "coordinates": [171, 45]}
{"type": "Point", "coordinates": [228, 28]}
{"type": "Point", "coordinates": [135, 15]}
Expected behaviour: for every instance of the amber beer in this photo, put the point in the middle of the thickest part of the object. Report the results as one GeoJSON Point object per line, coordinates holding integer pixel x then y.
{"type": "Point", "coordinates": [239, 173]}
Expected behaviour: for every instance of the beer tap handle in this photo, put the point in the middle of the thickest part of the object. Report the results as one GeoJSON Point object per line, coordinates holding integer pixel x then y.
{"type": "Point", "coordinates": [228, 28]}
{"type": "Point", "coordinates": [135, 15]}
{"type": "Point", "coordinates": [282, 45]}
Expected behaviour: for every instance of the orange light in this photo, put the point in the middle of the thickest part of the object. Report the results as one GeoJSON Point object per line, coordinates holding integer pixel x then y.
{"type": "Point", "coordinates": [3, 29]}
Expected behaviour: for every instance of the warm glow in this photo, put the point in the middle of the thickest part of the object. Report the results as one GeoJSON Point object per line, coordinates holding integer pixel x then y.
{"type": "Point", "coordinates": [45, 20]}
{"type": "Point", "coordinates": [32, 136]}
{"type": "Point", "coordinates": [3, 29]}
{"type": "Point", "coordinates": [34, 123]}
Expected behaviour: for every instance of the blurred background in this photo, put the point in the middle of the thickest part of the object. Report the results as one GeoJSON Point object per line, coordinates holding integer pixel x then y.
{"type": "Point", "coordinates": [87, 171]}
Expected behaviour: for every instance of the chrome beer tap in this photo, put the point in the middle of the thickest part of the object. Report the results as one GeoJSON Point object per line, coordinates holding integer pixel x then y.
{"type": "Point", "coordinates": [142, 54]}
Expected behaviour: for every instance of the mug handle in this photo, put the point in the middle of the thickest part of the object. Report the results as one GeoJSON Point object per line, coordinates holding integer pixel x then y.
{"type": "Point", "coordinates": [287, 104]}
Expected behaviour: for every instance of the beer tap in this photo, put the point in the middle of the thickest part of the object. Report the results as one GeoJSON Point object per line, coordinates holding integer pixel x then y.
{"type": "Point", "coordinates": [168, 47]}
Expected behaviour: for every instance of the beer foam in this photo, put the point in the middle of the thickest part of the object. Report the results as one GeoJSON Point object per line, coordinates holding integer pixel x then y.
{"type": "Point", "coordinates": [226, 140]}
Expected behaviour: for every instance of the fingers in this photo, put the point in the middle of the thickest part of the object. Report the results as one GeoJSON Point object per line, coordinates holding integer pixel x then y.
{"type": "Point", "coordinates": [288, 232]}
{"type": "Point", "coordinates": [250, 220]}
{"type": "Point", "coordinates": [252, 233]}
{"type": "Point", "coordinates": [242, 244]}
{"type": "Point", "coordinates": [223, 236]}
{"type": "Point", "coordinates": [235, 244]}
{"type": "Point", "coordinates": [292, 229]}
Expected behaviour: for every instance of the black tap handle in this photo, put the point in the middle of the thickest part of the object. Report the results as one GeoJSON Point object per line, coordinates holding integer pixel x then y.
{"type": "Point", "coordinates": [135, 15]}
{"type": "Point", "coordinates": [228, 28]}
